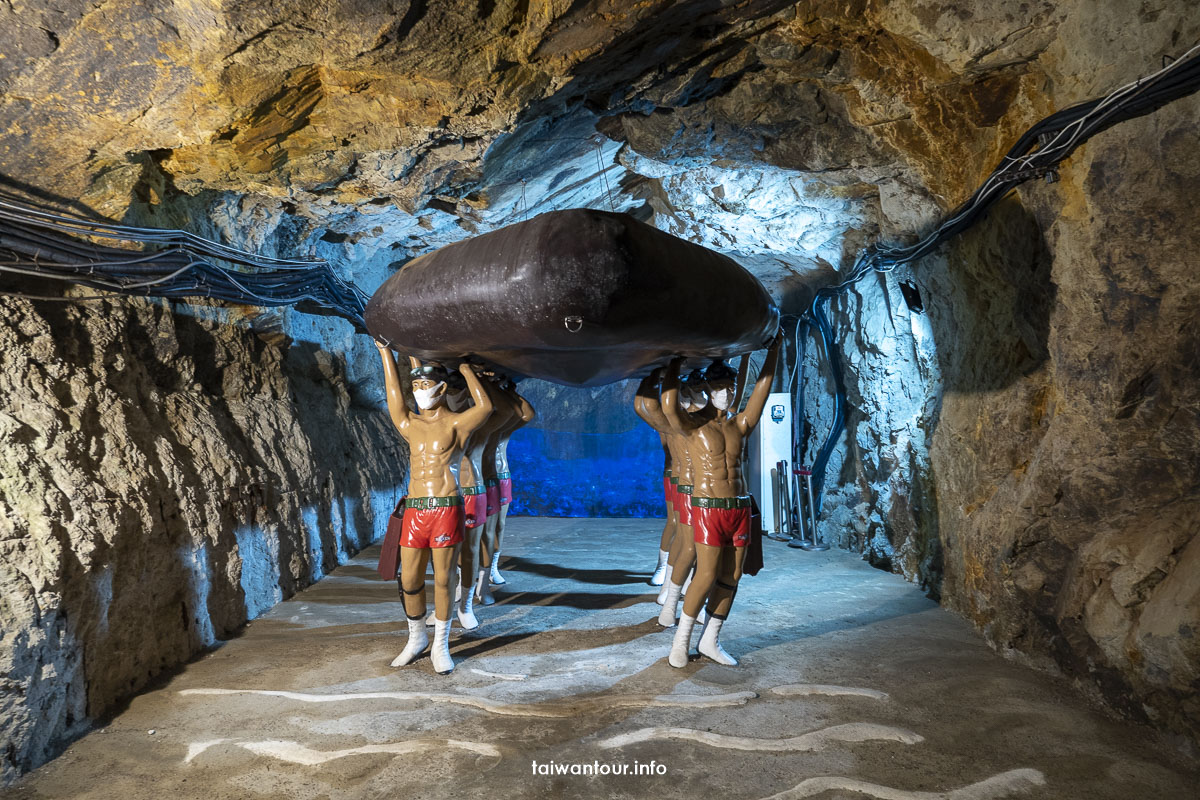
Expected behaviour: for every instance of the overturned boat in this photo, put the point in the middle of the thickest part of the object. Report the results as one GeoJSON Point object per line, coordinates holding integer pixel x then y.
{"type": "Point", "coordinates": [579, 297]}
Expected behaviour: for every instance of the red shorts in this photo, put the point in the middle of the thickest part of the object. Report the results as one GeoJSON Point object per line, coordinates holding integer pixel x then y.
{"type": "Point", "coordinates": [720, 527]}
{"type": "Point", "coordinates": [475, 508]}
{"type": "Point", "coordinates": [683, 504]}
{"type": "Point", "coordinates": [432, 527]}
{"type": "Point", "coordinates": [505, 491]}
{"type": "Point", "coordinates": [667, 487]}
{"type": "Point", "coordinates": [493, 497]}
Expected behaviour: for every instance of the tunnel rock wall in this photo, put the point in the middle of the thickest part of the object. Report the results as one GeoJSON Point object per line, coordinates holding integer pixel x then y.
{"type": "Point", "coordinates": [1027, 448]}
{"type": "Point", "coordinates": [164, 477]}
{"type": "Point", "coordinates": [1066, 453]}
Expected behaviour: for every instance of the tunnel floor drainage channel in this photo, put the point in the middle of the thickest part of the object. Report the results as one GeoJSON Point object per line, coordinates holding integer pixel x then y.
{"type": "Point", "coordinates": [851, 684]}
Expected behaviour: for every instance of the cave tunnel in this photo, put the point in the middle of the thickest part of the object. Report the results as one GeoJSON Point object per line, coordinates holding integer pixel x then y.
{"type": "Point", "coordinates": [979, 527]}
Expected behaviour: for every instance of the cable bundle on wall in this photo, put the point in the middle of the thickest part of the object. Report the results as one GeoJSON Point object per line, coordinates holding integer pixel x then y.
{"type": "Point", "coordinates": [172, 263]}
{"type": "Point", "coordinates": [1036, 154]}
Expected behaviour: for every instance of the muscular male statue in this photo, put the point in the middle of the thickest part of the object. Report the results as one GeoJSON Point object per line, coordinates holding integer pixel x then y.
{"type": "Point", "coordinates": [696, 410]}
{"type": "Point", "coordinates": [471, 486]}
{"type": "Point", "coordinates": [647, 406]}
{"type": "Point", "coordinates": [720, 504]}
{"type": "Point", "coordinates": [502, 417]}
{"type": "Point", "coordinates": [433, 513]}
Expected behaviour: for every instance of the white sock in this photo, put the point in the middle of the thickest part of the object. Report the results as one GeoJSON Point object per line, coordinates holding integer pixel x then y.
{"type": "Point", "coordinates": [682, 642]}
{"type": "Point", "coordinates": [466, 608]}
{"type": "Point", "coordinates": [483, 589]}
{"type": "Point", "coordinates": [666, 617]}
{"type": "Point", "coordinates": [660, 571]}
{"type": "Point", "coordinates": [417, 640]}
{"type": "Point", "coordinates": [662, 593]}
{"type": "Point", "coordinates": [709, 646]}
{"type": "Point", "coordinates": [702, 617]}
{"type": "Point", "coordinates": [496, 577]}
{"type": "Point", "coordinates": [440, 653]}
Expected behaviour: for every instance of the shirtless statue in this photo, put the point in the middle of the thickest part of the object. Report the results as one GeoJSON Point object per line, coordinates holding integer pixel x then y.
{"type": "Point", "coordinates": [433, 513]}
{"type": "Point", "coordinates": [471, 486]}
{"type": "Point", "coordinates": [647, 406]}
{"type": "Point", "coordinates": [720, 504]}
{"type": "Point", "coordinates": [502, 417]}
{"type": "Point", "coordinates": [523, 414]}
{"type": "Point", "coordinates": [693, 396]}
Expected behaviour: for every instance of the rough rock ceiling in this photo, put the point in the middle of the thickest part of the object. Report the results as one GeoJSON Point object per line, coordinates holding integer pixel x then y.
{"type": "Point", "coordinates": [784, 133]}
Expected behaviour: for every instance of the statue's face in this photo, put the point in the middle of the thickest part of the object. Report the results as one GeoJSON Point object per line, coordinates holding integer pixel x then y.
{"type": "Point", "coordinates": [428, 392]}
{"type": "Point", "coordinates": [721, 395]}
{"type": "Point", "coordinates": [694, 398]}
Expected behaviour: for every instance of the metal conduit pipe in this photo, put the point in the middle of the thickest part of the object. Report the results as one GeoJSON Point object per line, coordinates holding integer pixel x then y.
{"type": "Point", "coordinates": [782, 501]}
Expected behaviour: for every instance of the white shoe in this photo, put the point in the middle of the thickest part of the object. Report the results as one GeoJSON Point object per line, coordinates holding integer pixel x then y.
{"type": "Point", "coordinates": [496, 577]}
{"type": "Point", "coordinates": [483, 589]}
{"type": "Point", "coordinates": [662, 594]}
{"type": "Point", "coordinates": [417, 641]}
{"type": "Point", "coordinates": [682, 642]}
{"type": "Point", "coordinates": [660, 572]}
{"type": "Point", "coordinates": [666, 617]}
{"type": "Point", "coordinates": [709, 646]}
{"type": "Point", "coordinates": [702, 617]}
{"type": "Point", "coordinates": [431, 617]}
{"type": "Point", "coordinates": [443, 664]}
{"type": "Point", "coordinates": [466, 608]}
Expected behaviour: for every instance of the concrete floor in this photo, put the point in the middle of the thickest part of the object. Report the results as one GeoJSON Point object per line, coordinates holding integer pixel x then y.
{"type": "Point", "coordinates": [852, 684]}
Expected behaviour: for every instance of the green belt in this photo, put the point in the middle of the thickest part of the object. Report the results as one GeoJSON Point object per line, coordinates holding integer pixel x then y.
{"type": "Point", "coordinates": [685, 489]}
{"type": "Point", "coordinates": [433, 502]}
{"type": "Point", "coordinates": [491, 482]}
{"type": "Point", "coordinates": [476, 489]}
{"type": "Point", "coordinates": [666, 473]}
{"type": "Point", "coordinates": [674, 481]}
{"type": "Point", "coordinates": [721, 502]}
{"type": "Point", "coordinates": [503, 476]}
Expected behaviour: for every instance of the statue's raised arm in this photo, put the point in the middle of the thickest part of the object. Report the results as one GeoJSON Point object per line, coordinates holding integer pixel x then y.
{"type": "Point", "coordinates": [476, 415]}
{"type": "Point", "coordinates": [679, 421]}
{"type": "Point", "coordinates": [396, 396]}
{"type": "Point", "coordinates": [739, 388]}
{"type": "Point", "coordinates": [525, 410]}
{"type": "Point", "coordinates": [647, 403]}
{"type": "Point", "coordinates": [762, 389]}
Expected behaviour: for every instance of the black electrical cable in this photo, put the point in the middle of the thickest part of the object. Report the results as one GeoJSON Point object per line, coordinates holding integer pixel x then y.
{"type": "Point", "coordinates": [1036, 153]}
{"type": "Point", "coordinates": [36, 242]}
{"type": "Point", "coordinates": [834, 357]}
